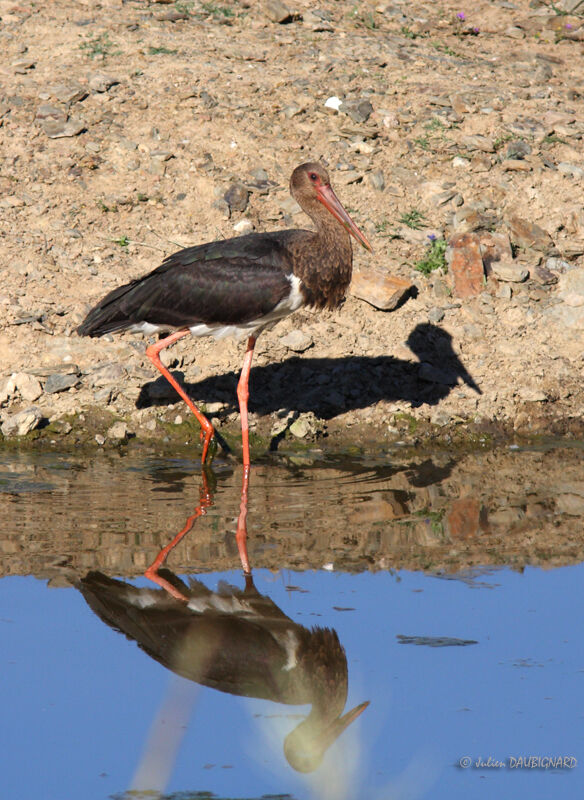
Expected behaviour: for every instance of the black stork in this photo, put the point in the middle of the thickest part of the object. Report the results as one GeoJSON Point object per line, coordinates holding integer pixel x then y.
{"type": "Point", "coordinates": [239, 286]}
{"type": "Point", "coordinates": [236, 641]}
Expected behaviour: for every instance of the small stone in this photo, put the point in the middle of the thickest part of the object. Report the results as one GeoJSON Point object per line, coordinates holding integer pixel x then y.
{"type": "Point", "coordinates": [478, 142]}
{"type": "Point", "coordinates": [63, 128]}
{"type": "Point", "coordinates": [333, 103]}
{"type": "Point", "coordinates": [504, 292]}
{"type": "Point", "coordinates": [22, 423]}
{"type": "Point", "coordinates": [466, 264]}
{"type": "Point", "coordinates": [529, 127]}
{"type": "Point", "coordinates": [570, 169]}
{"type": "Point", "coordinates": [495, 247]}
{"type": "Point", "coordinates": [509, 271]}
{"type": "Point", "coordinates": [106, 375]}
{"type": "Point", "coordinates": [278, 11]}
{"type": "Point", "coordinates": [516, 165]}
{"type": "Point", "coordinates": [119, 431]}
{"type": "Point", "coordinates": [379, 289]}
{"type": "Point", "coordinates": [100, 439]}
{"type": "Point", "coordinates": [377, 180]}
{"type": "Point", "coordinates": [358, 110]}
{"type": "Point", "coordinates": [22, 66]}
{"type": "Point", "coordinates": [531, 395]}
{"type": "Point", "coordinates": [236, 197]}
{"type": "Point", "coordinates": [304, 426]}
{"type": "Point", "coordinates": [161, 155]}
{"type": "Point", "coordinates": [68, 92]}
{"type": "Point", "coordinates": [529, 235]}
{"type": "Point", "coordinates": [441, 418]}
{"type": "Point", "coordinates": [297, 340]}
{"type": "Point", "coordinates": [517, 149]}
{"type": "Point", "coordinates": [543, 275]}
{"type": "Point", "coordinates": [28, 386]}
{"type": "Point", "coordinates": [11, 201]}
{"type": "Point", "coordinates": [436, 315]}
{"type": "Point", "coordinates": [243, 226]}
{"type": "Point", "coordinates": [459, 162]}
{"type": "Point", "coordinates": [290, 206]}
{"type": "Point", "coordinates": [558, 264]}
{"type": "Point", "coordinates": [100, 82]}
{"type": "Point", "coordinates": [60, 383]}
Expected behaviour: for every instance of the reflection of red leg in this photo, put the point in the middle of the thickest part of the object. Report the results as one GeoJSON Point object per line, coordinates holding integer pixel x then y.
{"type": "Point", "coordinates": [153, 354]}
{"type": "Point", "coordinates": [243, 396]}
{"type": "Point", "coordinates": [241, 534]}
{"type": "Point", "coordinates": [152, 571]}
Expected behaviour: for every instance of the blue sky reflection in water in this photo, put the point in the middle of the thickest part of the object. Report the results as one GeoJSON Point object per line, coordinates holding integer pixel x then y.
{"type": "Point", "coordinates": [79, 700]}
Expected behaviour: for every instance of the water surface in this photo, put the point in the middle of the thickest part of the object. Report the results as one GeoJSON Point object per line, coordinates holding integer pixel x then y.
{"type": "Point", "coordinates": [454, 585]}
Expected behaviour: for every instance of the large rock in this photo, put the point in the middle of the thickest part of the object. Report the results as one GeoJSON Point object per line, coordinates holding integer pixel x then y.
{"type": "Point", "coordinates": [379, 289]}
{"type": "Point", "coordinates": [22, 423]}
{"type": "Point", "coordinates": [466, 264]}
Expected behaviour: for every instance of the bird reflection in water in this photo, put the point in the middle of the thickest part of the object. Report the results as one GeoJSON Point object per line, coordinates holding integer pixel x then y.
{"type": "Point", "coordinates": [235, 640]}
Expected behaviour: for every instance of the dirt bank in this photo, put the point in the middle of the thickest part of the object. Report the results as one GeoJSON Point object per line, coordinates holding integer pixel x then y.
{"type": "Point", "coordinates": [124, 125]}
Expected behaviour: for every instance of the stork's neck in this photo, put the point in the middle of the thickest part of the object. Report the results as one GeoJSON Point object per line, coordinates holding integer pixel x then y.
{"type": "Point", "coordinates": [325, 263]}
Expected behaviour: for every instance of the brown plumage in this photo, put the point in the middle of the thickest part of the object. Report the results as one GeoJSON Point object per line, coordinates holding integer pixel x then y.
{"type": "Point", "coordinates": [239, 286]}
{"type": "Point", "coordinates": [240, 642]}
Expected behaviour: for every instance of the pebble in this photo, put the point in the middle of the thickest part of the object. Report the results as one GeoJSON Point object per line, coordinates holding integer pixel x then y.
{"type": "Point", "coordinates": [63, 128]}
{"type": "Point", "coordinates": [278, 11]}
{"type": "Point", "coordinates": [379, 289]}
{"type": "Point", "coordinates": [100, 82]}
{"type": "Point", "coordinates": [358, 110]}
{"type": "Point", "coordinates": [60, 383]}
{"type": "Point", "coordinates": [68, 92]}
{"type": "Point", "coordinates": [119, 431]}
{"type": "Point", "coordinates": [558, 264]}
{"type": "Point", "coordinates": [478, 142]}
{"type": "Point", "coordinates": [543, 275]}
{"type": "Point", "coordinates": [297, 340]}
{"type": "Point", "coordinates": [28, 386]}
{"type": "Point", "coordinates": [529, 235]}
{"type": "Point", "coordinates": [236, 197]}
{"type": "Point", "coordinates": [333, 103]}
{"type": "Point", "coordinates": [495, 247]}
{"type": "Point", "coordinates": [436, 315]}
{"type": "Point", "coordinates": [516, 165]}
{"type": "Point", "coordinates": [243, 226]}
{"type": "Point", "coordinates": [570, 312]}
{"type": "Point", "coordinates": [517, 149]}
{"type": "Point", "coordinates": [570, 169]}
{"type": "Point", "coordinates": [304, 426]}
{"type": "Point", "coordinates": [509, 271]}
{"type": "Point", "coordinates": [22, 423]}
{"type": "Point", "coordinates": [377, 180]}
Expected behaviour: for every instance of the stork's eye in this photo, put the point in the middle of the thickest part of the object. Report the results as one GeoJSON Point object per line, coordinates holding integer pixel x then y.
{"type": "Point", "coordinates": [313, 176]}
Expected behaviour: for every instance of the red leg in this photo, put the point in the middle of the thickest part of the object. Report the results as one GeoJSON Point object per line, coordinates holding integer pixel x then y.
{"type": "Point", "coordinates": [152, 571]}
{"type": "Point", "coordinates": [243, 397]}
{"type": "Point", "coordinates": [153, 354]}
{"type": "Point", "coordinates": [241, 534]}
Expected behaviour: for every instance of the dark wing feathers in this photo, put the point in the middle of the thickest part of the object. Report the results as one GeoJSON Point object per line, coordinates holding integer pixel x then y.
{"type": "Point", "coordinates": [225, 282]}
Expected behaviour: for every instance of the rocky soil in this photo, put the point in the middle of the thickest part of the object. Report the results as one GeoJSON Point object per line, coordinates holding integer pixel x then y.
{"type": "Point", "coordinates": [131, 129]}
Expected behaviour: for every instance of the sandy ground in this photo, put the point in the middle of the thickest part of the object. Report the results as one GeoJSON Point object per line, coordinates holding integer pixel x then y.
{"type": "Point", "coordinates": [124, 126]}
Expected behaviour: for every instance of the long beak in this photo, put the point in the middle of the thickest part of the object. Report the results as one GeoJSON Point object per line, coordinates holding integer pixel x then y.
{"type": "Point", "coordinates": [330, 201]}
{"type": "Point", "coordinates": [339, 725]}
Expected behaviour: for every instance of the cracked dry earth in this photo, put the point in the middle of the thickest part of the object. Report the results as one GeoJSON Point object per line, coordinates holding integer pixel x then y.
{"type": "Point", "coordinates": [131, 129]}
